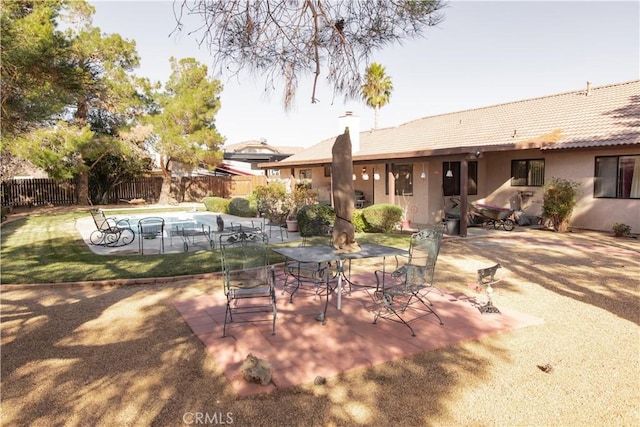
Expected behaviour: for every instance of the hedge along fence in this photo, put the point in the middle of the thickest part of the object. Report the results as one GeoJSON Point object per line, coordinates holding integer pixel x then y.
{"type": "Point", "coordinates": [45, 191]}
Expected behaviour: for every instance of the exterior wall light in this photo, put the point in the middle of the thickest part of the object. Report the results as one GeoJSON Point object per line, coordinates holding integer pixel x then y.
{"type": "Point", "coordinates": [365, 175]}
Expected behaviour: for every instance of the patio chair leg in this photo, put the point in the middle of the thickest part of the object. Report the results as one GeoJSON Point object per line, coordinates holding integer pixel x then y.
{"type": "Point", "coordinates": [386, 304]}
{"type": "Point", "coordinates": [227, 315]}
{"type": "Point", "coordinates": [428, 307]}
{"type": "Point", "coordinates": [275, 315]}
{"type": "Point", "coordinates": [286, 283]}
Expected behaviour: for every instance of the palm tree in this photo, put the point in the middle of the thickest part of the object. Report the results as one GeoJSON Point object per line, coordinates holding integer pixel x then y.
{"type": "Point", "coordinates": [376, 90]}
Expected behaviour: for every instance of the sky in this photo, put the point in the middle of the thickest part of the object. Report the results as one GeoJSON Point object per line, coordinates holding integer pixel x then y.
{"type": "Point", "coordinates": [482, 54]}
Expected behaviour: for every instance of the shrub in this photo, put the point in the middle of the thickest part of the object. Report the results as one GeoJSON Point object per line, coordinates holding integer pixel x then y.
{"type": "Point", "coordinates": [299, 197]}
{"type": "Point", "coordinates": [240, 206]}
{"type": "Point", "coordinates": [620, 230]}
{"type": "Point", "coordinates": [358, 221]}
{"type": "Point", "coordinates": [270, 199]}
{"type": "Point", "coordinates": [216, 204]}
{"type": "Point", "coordinates": [560, 197]}
{"type": "Point", "coordinates": [381, 218]}
{"type": "Point", "coordinates": [314, 220]}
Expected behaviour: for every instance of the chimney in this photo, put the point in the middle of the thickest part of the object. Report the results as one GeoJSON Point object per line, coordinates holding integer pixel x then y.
{"type": "Point", "coordinates": [588, 88]}
{"type": "Point", "coordinates": [352, 122]}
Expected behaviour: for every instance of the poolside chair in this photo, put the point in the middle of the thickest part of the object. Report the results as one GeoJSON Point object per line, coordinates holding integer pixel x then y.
{"type": "Point", "coordinates": [110, 231]}
{"type": "Point", "coordinates": [249, 279]}
{"type": "Point", "coordinates": [402, 294]}
{"type": "Point", "coordinates": [151, 229]}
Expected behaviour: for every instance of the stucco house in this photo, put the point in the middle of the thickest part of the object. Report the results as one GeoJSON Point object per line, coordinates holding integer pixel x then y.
{"type": "Point", "coordinates": [509, 152]}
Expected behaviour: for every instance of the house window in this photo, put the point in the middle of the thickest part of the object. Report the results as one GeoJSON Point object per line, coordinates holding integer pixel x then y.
{"type": "Point", "coordinates": [527, 173]}
{"type": "Point", "coordinates": [305, 174]}
{"type": "Point", "coordinates": [327, 171]}
{"type": "Point", "coordinates": [404, 179]}
{"type": "Point", "coordinates": [451, 185]}
{"type": "Point", "coordinates": [617, 177]}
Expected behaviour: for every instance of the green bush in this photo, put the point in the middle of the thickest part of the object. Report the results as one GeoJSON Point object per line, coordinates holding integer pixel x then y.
{"type": "Point", "coordinates": [357, 219]}
{"type": "Point", "coordinates": [560, 197]}
{"type": "Point", "coordinates": [240, 206]}
{"type": "Point", "coordinates": [270, 199]}
{"type": "Point", "coordinates": [314, 220]}
{"type": "Point", "coordinates": [381, 218]}
{"type": "Point", "coordinates": [216, 204]}
{"type": "Point", "coordinates": [620, 230]}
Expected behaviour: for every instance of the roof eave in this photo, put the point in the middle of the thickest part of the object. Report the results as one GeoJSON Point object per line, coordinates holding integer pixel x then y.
{"type": "Point", "coordinates": [369, 158]}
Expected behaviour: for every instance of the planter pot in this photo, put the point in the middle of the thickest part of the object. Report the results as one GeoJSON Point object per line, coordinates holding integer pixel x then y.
{"type": "Point", "coordinates": [452, 227]}
{"type": "Point", "coordinates": [292, 225]}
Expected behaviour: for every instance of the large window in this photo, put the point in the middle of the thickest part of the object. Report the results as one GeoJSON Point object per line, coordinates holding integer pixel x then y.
{"type": "Point", "coordinates": [404, 179]}
{"type": "Point", "coordinates": [451, 184]}
{"type": "Point", "coordinates": [527, 173]}
{"type": "Point", "coordinates": [617, 177]}
{"type": "Point", "coordinates": [305, 174]}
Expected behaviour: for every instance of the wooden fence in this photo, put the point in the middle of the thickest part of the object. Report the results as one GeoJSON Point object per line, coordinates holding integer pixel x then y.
{"type": "Point", "coordinates": [43, 191]}
{"type": "Point", "coordinates": [38, 191]}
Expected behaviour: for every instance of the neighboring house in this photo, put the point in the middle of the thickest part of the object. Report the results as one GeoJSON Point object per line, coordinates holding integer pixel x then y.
{"type": "Point", "coordinates": [242, 159]}
{"type": "Point", "coordinates": [246, 156]}
{"type": "Point", "coordinates": [510, 151]}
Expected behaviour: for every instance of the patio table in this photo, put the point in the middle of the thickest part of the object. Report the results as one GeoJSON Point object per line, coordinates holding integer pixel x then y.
{"type": "Point", "coordinates": [329, 253]}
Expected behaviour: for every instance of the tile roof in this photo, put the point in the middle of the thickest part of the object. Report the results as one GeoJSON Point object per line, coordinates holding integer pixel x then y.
{"type": "Point", "coordinates": [243, 146]}
{"type": "Point", "coordinates": [607, 116]}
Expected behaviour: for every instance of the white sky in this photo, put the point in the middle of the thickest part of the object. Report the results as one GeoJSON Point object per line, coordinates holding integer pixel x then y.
{"type": "Point", "coordinates": [483, 53]}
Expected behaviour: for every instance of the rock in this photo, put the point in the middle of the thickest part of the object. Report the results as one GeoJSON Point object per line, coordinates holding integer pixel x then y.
{"type": "Point", "coordinates": [256, 370]}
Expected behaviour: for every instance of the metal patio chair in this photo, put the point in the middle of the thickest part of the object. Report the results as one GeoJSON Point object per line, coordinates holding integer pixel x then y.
{"type": "Point", "coordinates": [318, 274]}
{"type": "Point", "coordinates": [403, 293]}
{"type": "Point", "coordinates": [109, 231]}
{"type": "Point", "coordinates": [150, 228]}
{"type": "Point", "coordinates": [249, 279]}
{"type": "Point", "coordinates": [278, 221]}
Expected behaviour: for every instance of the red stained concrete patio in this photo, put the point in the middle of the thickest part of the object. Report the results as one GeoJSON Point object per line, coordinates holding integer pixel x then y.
{"type": "Point", "coordinates": [303, 348]}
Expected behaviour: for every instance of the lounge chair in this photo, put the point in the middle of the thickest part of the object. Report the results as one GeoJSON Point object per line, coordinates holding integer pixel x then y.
{"type": "Point", "coordinates": [110, 231]}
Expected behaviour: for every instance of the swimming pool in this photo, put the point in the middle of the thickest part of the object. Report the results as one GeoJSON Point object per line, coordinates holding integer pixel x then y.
{"type": "Point", "coordinates": [189, 228]}
{"type": "Point", "coordinates": [171, 220]}
{"type": "Point", "coordinates": [180, 227]}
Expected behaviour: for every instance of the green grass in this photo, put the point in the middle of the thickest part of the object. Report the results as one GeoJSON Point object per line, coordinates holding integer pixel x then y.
{"type": "Point", "coordinates": [49, 249]}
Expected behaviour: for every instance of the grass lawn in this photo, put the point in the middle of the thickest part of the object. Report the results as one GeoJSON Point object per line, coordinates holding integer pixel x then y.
{"type": "Point", "coordinates": [49, 249]}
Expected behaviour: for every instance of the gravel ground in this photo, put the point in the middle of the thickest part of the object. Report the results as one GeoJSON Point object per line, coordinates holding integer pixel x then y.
{"type": "Point", "coordinates": [106, 356]}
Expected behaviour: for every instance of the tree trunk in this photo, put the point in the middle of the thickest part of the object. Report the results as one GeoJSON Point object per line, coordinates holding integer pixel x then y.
{"type": "Point", "coordinates": [375, 116]}
{"type": "Point", "coordinates": [82, 188]}
{"type": "Point", "coordinates": [562, 226]}
{"type": "Point", "coordinates": [165, 192]}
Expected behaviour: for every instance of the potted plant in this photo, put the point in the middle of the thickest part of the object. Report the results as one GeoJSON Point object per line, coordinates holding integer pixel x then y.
{"type": "Point", "coordinates": [300, 196]}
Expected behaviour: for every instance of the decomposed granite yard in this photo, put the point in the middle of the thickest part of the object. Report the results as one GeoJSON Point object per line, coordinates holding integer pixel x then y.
{"type": "Point", "coordinates": [123, 355]}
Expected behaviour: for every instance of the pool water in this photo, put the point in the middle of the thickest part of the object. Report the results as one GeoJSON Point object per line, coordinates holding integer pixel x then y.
{"type": "Point", "coordinates": [173, 221]}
